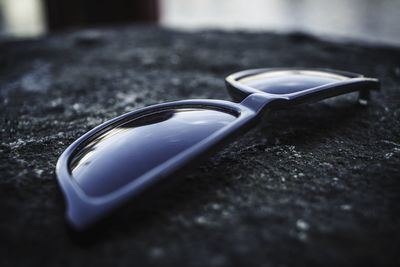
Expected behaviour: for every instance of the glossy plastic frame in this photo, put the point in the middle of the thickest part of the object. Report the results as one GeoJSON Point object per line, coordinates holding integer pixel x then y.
{"type": "Point", "coordinates": [357, 82]}
{"type": "Point", "coordinates": [83, 210]}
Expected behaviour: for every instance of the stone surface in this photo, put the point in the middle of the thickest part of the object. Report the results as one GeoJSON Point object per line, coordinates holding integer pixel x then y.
{"type": "Point", "coordinates": [313, 185]}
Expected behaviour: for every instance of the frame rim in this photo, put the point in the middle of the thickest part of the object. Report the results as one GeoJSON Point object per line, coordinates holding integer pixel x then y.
{"type": "Point", "coordinates": [83, 209]}
{"type": "Point", "coordinates": [240, 91]}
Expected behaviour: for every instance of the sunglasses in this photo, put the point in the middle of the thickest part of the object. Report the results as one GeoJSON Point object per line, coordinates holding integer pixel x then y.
{"type": "Point", "coordinates": [125, 157]}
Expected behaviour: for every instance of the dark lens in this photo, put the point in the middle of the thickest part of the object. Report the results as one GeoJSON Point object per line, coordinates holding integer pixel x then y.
{"type": "Point", "coordinates": [290, 81]}
{"type": "Point", "coordinates": [124, 153]}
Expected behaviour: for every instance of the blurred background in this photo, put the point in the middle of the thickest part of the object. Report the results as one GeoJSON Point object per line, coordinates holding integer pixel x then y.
{"type": "Point", "coordinates": [373, 21]}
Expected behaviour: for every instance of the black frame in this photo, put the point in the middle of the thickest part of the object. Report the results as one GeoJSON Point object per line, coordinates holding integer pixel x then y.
{"type": "Point", "coordinates": [357, 82]}
{"type": "Point", "coordinates": [83, 210]}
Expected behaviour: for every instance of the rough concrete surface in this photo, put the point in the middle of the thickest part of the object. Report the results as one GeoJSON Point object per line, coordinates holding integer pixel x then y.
{"type": "Point", "coordinates": [315, 185]}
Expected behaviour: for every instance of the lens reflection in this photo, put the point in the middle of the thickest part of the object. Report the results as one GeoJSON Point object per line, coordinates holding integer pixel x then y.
{"type": "Point", "coordinates": [286, 82]}
{"type": "Point", "coordinates": [128, 151]}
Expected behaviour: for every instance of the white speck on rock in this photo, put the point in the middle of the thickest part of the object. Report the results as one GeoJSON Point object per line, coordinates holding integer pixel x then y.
{"type": "Point", "coordinates": [77, 106]}
{"type": "Point", "coordinates": [327, 165]}
{"type": "Point", "coordinates": [346, 207]}
{"type": "Point", "coordinates": [216, 206]}
{"type": "Point", "coordinates": [126, 98]}
{"type": "Point", "coordinates": [17, 143]}
{"type": "Point", "coordinates": [56, 102]}
{"type": "Point", "coordinates": [302, 225]}
{"type": "Point", "coordinates": [201, 220]}
{"type": "Point", "coordinates": [38, 172]}
{"type": "Point", "coordinates": [388, 155]}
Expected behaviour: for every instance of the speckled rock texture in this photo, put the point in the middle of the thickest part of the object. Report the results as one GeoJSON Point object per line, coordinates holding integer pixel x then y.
{"type": "Point", "coordinates": [315, 185]}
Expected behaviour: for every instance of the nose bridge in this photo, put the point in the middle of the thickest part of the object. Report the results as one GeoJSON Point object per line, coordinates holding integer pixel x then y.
{"type": "Point", "coordinates": [260, 101]}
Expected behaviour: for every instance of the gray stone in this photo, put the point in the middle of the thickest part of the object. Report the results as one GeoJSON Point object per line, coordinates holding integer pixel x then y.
{"type": "Point", "coordinates": [314, 185]}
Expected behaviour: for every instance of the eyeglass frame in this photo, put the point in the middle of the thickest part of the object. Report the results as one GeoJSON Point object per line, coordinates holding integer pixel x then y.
{"type": "Point", "coordinates": [82, 210]}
